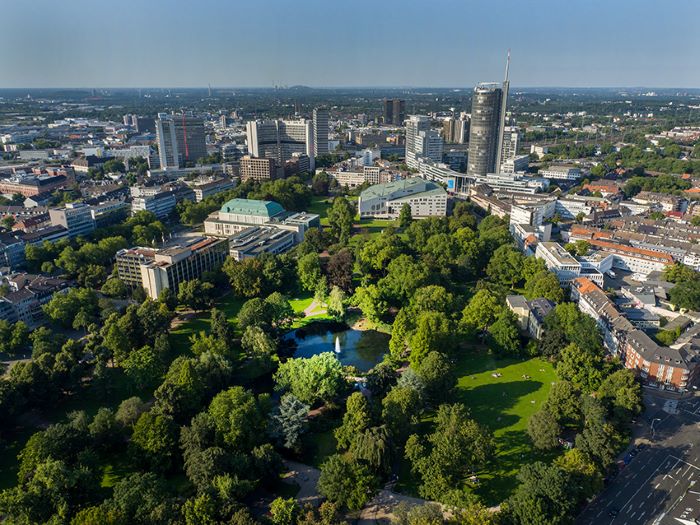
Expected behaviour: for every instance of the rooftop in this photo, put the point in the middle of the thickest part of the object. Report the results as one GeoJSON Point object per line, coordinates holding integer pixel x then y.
{"type": "Point", "coordinates": [260, 239]}
{"type": "Point", "coordinates": [252, 207]}
{"type": "Point", "coordinates": [559, 253]}
{"type": "Point", "coordinates": [409, 186]}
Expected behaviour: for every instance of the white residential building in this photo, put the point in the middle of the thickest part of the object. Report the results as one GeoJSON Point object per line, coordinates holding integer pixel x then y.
{"type": "Point", "coordinates": [421, 141]}
{"type": "Point", "coordinates": [161, 204]}
{"type": "Point", "coordinates": [570, 173]}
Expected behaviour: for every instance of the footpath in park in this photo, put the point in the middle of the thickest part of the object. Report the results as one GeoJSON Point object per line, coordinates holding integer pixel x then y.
{"type": "Point", "coordinates": [378, 511]}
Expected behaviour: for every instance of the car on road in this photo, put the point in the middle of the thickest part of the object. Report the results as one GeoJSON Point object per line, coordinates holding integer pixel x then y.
{"type": "Point", "coordinates": [613, 512]}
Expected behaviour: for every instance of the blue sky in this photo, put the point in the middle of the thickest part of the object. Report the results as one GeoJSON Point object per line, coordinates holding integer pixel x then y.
{"type": "Point", "coordinates": [100, 43]}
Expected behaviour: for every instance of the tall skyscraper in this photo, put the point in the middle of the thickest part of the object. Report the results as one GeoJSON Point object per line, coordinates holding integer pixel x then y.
{"type": "Point", "coordinates": [394, 111]}
{"type": "Point", "coordinates": [167, 143]}
{"type": "Point", "coordinates": [279, 139]}
{"type": "Point", "coordinates": [320, 117]}
{"type": "Point", "coordinates": [181, 139]}
{"type": "Point", "coordinates": [483, 132]}
{"type": "Point", "coordinates": [421, 141]}
{"type": "Point", "coordinates": [486, 128]}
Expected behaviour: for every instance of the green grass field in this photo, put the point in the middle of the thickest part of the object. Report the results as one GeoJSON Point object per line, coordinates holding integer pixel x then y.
{"type": "Point", "coordinates": [320, 205]}
{"type": "Point", "coordinates": [503, 404]}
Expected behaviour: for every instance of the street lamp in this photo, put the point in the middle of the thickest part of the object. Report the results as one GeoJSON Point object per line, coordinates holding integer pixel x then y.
{"type": "Point", "coordinates": [652, 426]}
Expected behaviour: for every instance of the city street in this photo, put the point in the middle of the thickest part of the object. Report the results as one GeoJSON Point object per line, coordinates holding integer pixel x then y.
{"type": "Point", "coordinates": [661, 485]}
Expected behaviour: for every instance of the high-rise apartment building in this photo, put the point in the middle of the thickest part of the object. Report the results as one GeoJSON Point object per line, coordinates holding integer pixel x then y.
{"type": "Point", "coordinates": [181, 139]}
{"type": "Point", "coordinates": [279, 139]}
{"type": "Point", "coordinates": [511, 137]}
{"type": "Point", "coordinates": [320, 118]}
{"type": "Point", "coordinates": [421, 141]}
{"type": "Point", "coordinates": [394, 111]}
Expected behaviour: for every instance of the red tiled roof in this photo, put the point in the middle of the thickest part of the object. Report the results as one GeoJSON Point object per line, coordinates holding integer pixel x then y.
{"type": "Point", "coordinates": [632, 251]}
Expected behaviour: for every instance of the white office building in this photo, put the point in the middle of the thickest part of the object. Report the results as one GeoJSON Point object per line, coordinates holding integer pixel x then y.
{"type": "Point", "coordinates": [425, 198]}
{"type": "Point", "coordinates": [559, 261]}
{"type": "Point", "coordinates": [515, 164]}
{"type": "Point", "coordinates": [160, 204]}
{"type": "Point", "coordinates": [75, 217]}
{"type": "Point", "coordinates": [421, 141]}
{"type": "Point", "coordinates": [280, 139]}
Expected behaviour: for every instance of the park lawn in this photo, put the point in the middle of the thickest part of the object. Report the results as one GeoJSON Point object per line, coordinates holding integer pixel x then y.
{"type": "Point", "coordinates": [114, 472]}
{"type": "Point", "coordinates": [301, 303]}
{"type": "Point", "coordinates": [320, 205]}
{"type": "Point", "coordinates": [180, 336]}
{"type": "Point", "coordinates": [374, 224]}
{"type": "Point", "coordinates": [504, 405]}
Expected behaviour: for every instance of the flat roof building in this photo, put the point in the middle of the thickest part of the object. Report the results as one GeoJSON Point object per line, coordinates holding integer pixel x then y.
{"type": "Point", "coordinates": [279, 139]}
{"type": "Point", "coordinates": [257, 240]}
{"type": "Point", "coordinates": [426, 199]}
{"type": "Point", "coordinates": [257, 169]}
{"type": "Point", "coordinates": [158, 269]}
{"type": "Point", "coordinates": [559, 261]}
{"type": "Point", "coordinates": [75, 217]}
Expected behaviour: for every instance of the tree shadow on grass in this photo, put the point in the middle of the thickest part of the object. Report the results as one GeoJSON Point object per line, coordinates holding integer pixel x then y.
{"type": "Point", "coordinates": [487, 403]}
{"type": "Point", "coordinates": [475, 358]}
{"type": "Point", "coordinates": [514, 449]}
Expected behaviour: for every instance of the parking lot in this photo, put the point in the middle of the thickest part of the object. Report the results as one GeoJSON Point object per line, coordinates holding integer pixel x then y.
{"type": "Point", "coordinates": [661, 484]}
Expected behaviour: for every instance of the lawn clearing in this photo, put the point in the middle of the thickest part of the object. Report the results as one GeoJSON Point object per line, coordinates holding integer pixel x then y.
{"type": "Point", "coordinates": [320, 206]}
{"type": "Point", "coordinates": [503, 404]}
{"type": "Point", "coordinates": [180, 336]}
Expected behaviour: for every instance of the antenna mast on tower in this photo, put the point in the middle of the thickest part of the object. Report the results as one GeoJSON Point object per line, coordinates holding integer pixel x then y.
{"type": "Point", "coordinates": [502, 117]}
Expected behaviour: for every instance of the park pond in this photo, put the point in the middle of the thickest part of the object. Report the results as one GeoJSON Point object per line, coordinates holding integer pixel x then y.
{"type": "Point", "coordinates": [360, 348]}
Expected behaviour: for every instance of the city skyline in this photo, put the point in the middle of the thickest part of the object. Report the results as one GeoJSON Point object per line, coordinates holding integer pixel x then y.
{"type": "Point", "coordinates": [175, 44]}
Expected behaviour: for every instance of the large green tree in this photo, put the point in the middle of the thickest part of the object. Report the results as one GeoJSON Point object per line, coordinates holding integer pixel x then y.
{"type": "Point", "coordinates": [543, 429]}
{"type": "Point", "coordinates": [346, 482]}
{"type": "Point", "coordinates": [357, 418]}
{"type": "Point", "coordinates": [340, 219]}
{"type": "Point", "coordinates": [457, 445]}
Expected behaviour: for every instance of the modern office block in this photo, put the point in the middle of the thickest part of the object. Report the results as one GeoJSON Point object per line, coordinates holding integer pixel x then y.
{"type": "Point", "coordinates": [320, 119]}
{"type": "Point", "coordinates": [280, 139]}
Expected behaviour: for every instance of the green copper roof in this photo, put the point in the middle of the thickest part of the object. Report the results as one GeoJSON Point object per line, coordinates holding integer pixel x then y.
{"type": "Point", "coordinates": [252, 207]}
{"type": "Point", "coordinates": [410, 186]}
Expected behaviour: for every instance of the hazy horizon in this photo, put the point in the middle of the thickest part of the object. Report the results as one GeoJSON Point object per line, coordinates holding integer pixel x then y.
{"type": "Point", "coordinates": [214, 89]}
{"type": "Point", "coordinates": [178, 44]}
